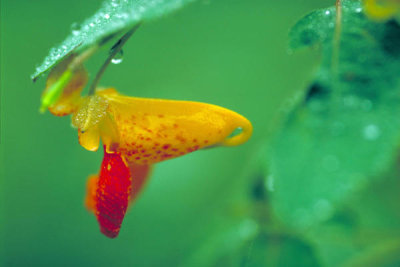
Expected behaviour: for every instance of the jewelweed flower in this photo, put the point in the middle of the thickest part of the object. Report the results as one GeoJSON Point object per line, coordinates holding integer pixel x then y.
{"type": "Point", "coordinates": [135, 133]}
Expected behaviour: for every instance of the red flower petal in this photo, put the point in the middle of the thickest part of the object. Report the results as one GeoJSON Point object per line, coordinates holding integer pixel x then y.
{"type": "Point", "coordinates": [139, 174]}
{"type": "Point", "coordinates": [109, 194]}
{"type": "Point", "coordinates": [90, 200]}
{"type": "Point", "coordinates": [112, 194]}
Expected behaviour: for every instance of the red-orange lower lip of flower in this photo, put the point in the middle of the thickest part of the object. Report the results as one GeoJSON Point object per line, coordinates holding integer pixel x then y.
{"type": "Point", "coordinates": [139, 175]}
{"type": "Point", "coordinates": [112, 194]}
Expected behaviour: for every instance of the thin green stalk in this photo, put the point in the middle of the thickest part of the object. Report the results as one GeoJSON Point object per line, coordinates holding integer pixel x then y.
{"type": "Point", "coordinates": [336, 38]}
{"type": "Point", "coordinates": [336, 90]}
{"type": "Point", "coordinates": [116, 49]}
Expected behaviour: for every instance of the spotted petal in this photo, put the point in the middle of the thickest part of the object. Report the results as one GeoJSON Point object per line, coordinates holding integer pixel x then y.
{"type": "Point", "coordinates": [153, 130]}
{"type": "Point", "coordinates": [108, 194]}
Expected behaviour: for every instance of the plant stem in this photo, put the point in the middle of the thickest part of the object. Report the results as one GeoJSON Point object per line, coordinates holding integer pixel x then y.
{"type": "Point", "coordinates": [115, 50]}
{"type": "Point", "coordinates": [336, 37]}
{"type": "Point", "coordinates": [336, 88]}
{"type": "Point", "coordinates": [338, 29]}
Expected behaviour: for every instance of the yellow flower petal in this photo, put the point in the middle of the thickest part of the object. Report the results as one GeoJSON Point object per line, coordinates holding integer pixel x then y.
{"type": "Point", "coordinates": [381, 9]}
{"type": "Point", "coordinates": [88, 119]}
{"type": "Point", "coordinates": [153, 130]}
{"type": "Point", "coordinates": [90, 113]}
{"type": "Point", "coordinates": [90, 138]}
{"type": "Point", "coordinates": [109, 133]}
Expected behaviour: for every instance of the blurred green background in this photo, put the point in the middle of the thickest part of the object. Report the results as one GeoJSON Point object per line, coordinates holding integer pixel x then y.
{"type": "Point", "coordinates": [226, 52]}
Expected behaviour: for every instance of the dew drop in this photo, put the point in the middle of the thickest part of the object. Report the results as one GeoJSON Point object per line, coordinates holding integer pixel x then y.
{"type": "Point", "coordinates": [117, 59]}
{"type": "Point", "coordinates": [327, 12]}
{"type": "Point", "coordinates": [75, 28]}
{"type": "Point", "coordinates": [114, 3]}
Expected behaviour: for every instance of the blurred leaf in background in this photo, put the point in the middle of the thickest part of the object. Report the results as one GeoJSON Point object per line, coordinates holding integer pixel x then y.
{"type": "Point", "coordinates": [342, 139]}
{"type": "Point", "coordinates": [346, 132]}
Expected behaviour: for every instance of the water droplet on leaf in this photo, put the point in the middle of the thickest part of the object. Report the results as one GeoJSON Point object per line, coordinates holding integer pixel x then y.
{"type": "Point", "coordinates": [75, 28]}
{"type": "Point", "coordinates": [117, 59]}
{"type": "Point", "coordinates": [114, 3]}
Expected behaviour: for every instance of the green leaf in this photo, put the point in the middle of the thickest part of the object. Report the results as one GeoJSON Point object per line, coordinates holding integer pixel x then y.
{"type": "Point", "coordinates": [365, 231]}
{"type": "Point", "coordinates": [114, 17]}
{"type": "Point", "coordinates": [346, 131]}
{"type": "Point", "coordinates": [279, 250]}
{"type": "Point", "coordinates": [224, 247]}
{"type": "Point", "coordinates": [243, 244]}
